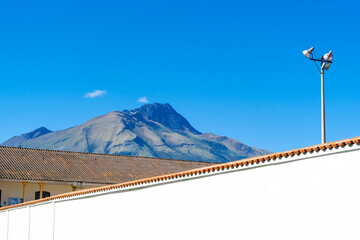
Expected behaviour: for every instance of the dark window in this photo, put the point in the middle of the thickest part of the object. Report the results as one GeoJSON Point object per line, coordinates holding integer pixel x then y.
{"type": "Point", "coordinates": [44, 194]}
{"type": "Point", "coordinates": [0, 197]}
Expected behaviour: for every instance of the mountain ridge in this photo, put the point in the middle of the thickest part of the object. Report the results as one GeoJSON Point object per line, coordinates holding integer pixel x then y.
{"type": "Point", "coordinates": [153, 130]}
{"type": "Point", "coordinates": [17, 140]}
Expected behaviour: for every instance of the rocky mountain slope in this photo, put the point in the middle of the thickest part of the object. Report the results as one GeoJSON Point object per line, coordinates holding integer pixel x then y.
{"type": "Point", "coordinates": [153, 130]}
{"type": "Point", "coordinates": [18, 140]}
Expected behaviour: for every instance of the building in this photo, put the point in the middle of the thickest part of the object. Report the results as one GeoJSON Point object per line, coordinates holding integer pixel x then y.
{"type": "Point", "coordinates": [29, 174]}
{"type": "Point", "coordinates": [307, 193]}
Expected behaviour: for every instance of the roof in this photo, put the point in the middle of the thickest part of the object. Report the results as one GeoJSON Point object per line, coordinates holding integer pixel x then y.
{"type": "Point", "coordinates": [201, 171]}
{"type": "Point", "coordinates": [63, 166]}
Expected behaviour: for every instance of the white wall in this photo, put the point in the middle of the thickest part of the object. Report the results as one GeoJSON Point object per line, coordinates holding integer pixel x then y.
{"type": "Point", "coordinates": [314, 198]}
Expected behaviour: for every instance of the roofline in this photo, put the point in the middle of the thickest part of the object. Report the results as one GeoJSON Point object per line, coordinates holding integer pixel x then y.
{"type": "Point", "coordinates": [53, 182]}
{"type": "Point", "coordinates": [103, 154]}
{"type": "Point", "coordinates": [197, 171]}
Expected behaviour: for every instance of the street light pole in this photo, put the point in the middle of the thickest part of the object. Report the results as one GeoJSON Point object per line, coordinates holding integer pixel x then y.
{"type": "Point", "coordinates": [323, 132]}
{"type": "Point", "coordinates": [325, 64]}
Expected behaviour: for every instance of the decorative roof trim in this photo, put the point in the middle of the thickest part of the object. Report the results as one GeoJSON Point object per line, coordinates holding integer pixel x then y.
{"type": "Point", "coordinates": [198, 171]}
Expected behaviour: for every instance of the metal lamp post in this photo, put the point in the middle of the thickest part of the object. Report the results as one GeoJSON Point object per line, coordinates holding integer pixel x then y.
{"type": "Point", "coordinates": [325, 62]}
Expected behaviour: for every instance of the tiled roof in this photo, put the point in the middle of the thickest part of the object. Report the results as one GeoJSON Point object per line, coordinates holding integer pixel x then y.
{"type": "Point", "coordinates": [50, 165]}
{"type": "Point", "coordinates": [201, 171]}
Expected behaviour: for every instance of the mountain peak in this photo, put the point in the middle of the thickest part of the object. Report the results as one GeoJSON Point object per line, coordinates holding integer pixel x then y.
{"type": "Point", "coordinates": [18, 140]}
{"type": "Point", "coordinates": [165, 114]}
{"type": "Point", "coordinates": [37, 132]}
{"type": "Point", "coordinates": [155, 108]}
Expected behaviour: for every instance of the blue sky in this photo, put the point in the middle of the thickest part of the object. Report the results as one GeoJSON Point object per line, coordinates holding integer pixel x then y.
{"type": "Point", "coordinates": [233, 68]}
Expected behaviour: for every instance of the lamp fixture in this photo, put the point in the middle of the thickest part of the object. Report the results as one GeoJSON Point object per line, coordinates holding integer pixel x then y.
{"type": "Point", "coordinates": [328, 56]}
{"type": "Point", "coordinates": [308, 53]}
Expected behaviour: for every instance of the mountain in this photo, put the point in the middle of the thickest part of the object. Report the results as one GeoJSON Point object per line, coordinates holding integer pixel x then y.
{"type": "Point", "coordinates": [153, 130]}
{"type": "Point", "coordinates": [18, 140]}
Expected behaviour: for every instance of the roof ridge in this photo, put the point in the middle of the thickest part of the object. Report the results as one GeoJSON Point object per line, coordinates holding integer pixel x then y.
{"type": "Point", "coordinates": [203, 170]}
{"type": "Point", "coordinates": [101, 154]}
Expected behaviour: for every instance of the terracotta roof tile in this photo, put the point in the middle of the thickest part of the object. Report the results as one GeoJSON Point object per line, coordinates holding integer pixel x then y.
{"type": "Point", "coordinates": [49, 165]}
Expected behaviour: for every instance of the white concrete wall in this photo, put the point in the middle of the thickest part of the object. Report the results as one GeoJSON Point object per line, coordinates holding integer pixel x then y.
{"type": "Point", "coordinates": [317, 197]}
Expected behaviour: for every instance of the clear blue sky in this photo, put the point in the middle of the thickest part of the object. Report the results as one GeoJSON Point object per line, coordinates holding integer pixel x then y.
{"type": "Point", "coordinates": [233, 68]}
